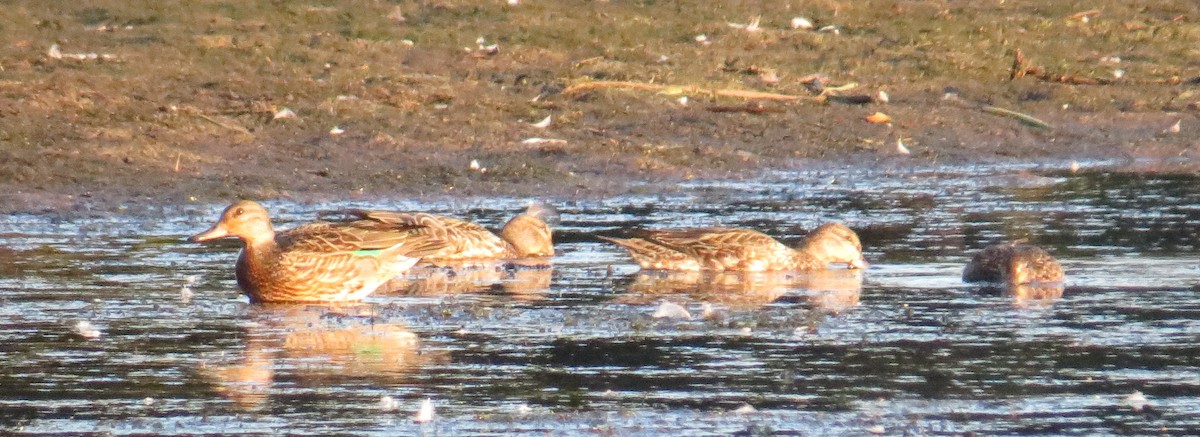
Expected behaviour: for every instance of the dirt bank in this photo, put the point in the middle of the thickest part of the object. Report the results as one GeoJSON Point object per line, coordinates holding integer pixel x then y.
{"type": "Point", "coordinates": [204, 101]}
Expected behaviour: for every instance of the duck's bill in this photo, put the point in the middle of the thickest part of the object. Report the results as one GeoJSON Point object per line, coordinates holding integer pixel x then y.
{"type": "Point", "coordinates": [860, 263]}
{"type": "Point", "coordinates": [212, 234]}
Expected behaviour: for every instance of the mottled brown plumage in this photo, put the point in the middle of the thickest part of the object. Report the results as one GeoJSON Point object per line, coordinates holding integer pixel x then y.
{"type": "Point", "coordinates": [1013, 263]}
{"type": "Point", "coordinates": [524, 236]}
{"type": "Point", "coordinates": [319, 262]}
{"type": "Point", "coordinates": [742, 249]}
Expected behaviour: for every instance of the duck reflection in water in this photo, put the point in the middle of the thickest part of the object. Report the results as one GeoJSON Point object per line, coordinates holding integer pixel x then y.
{"type": "Point", "coordinates": [1025, 295]}
{"type": "Point", "coordinates": [313, 344]}
{"type": "Point", "coordinates": [826, 290]}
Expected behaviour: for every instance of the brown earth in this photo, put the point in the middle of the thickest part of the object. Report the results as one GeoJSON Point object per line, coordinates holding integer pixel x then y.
{"type": "Point", "coordinates": [176, 102]}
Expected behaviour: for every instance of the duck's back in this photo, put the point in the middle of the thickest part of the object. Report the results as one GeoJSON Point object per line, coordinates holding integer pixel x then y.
{"type": "Point", "coordinates": [708, 249]}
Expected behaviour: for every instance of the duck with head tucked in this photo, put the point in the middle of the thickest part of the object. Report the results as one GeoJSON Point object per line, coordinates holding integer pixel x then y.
{"type": "Point", "coordinates": [731, 249]}
{"type": "Point", "coordinates": [319, 262]}
{"type": "Point", "coordinates": [524, 236]}
{"type": "Point", "coordinates": [1013, 263]}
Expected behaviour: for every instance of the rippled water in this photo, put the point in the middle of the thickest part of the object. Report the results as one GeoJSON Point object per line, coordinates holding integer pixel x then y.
{"type": "Point", "coordinates": [903, 348]}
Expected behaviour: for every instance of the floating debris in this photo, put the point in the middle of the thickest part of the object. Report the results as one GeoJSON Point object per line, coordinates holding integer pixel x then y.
{"type": "Point", "coordinates": [185, 294]}
{"type": "Point", "coordinates": [802, 23]}
{"type": "Point", "coordinates": [901, 148]}
{"type": "Point", "coordinates": [879, 118]}
{"type": "Point", "coordinates": [877, 429]}
{"type": "Point", "coordinates": [523, 409]}
{"type": "Point", "coordinates": [284, 113]}
{"type": "Point", "coordinates": [1136, 400]}
{"type": "Point", "coordinates": [85, 329]}
{"type": "Point", "coordinates": [388, 403]}
{"type": "Point", "coordinates": [539, 140]}
{"type": "Point", "coordinates": [669, 310]}
{"type": "Point", "coordinates": [425, 412]}
{"type": "Point", "coordinates": [148, 401]}
{"type": "Point", "coordinates": [545, 123]}
{"type": "Point", "coordinates": [745, 409]}
{"type": "Point", "coordinates": [1074, 166]}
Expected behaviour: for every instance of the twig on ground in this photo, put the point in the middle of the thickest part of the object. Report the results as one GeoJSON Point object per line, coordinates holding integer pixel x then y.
{"type": "Point", "coordinates": [675, 89]}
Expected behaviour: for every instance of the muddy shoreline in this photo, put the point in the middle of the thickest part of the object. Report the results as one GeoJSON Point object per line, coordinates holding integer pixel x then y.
{"type": "Point", "coordinates": [211, 104]}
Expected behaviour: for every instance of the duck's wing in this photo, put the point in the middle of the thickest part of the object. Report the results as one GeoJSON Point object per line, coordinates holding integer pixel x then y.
{"type": "Point", "coordinates": [654, 256]}
{"type": "Point", "coordinates": [463, 239]}
{"type": "Point", "coordinates": [359, 236]}
{"type": "Point", "coordinates": [713, 243]}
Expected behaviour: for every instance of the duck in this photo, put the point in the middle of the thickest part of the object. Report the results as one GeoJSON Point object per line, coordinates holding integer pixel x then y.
{"type": "Point", "coordinates": [317, 262]}
{"type": "Point", "coordinates": [1013, 263]}
{"type": "Point", "coordinates": [524, 236]}
{"type": "Point", "coordinates": [738, 249]}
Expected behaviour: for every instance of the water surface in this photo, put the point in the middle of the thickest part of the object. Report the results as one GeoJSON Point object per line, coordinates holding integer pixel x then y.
{"type": "Point", "coordinates": [904, 347]}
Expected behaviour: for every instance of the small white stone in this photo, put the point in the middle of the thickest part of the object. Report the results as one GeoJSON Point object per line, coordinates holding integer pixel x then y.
{"type": "Point", "coordinates": [802, 23]}
{"type": "Point", "coordinates": [901, 148]}
{"type": "Point", "coordinates": [284, 113]}
{"type": "Point", "coordinates": [337, 131]}
{"type": "Point", "coordinates": [1175, 128]}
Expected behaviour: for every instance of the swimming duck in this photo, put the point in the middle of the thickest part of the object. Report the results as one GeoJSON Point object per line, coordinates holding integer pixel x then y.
{"type": "Point", "coordinates": [742, 250]}
{"type": "Point", "coordinates": [524, 236]}
{"type": "Point", "coordinates": [319, 262]}
{"type": "Point", "coordinates": [1013, 263]}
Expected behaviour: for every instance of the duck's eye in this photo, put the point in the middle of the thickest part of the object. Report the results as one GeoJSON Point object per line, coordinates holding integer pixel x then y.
{"type": "Point", "coordinates": [238, 212]}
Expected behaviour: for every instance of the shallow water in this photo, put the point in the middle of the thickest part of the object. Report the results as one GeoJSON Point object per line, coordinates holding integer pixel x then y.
{"type": "Point", "coordinates": [903, 348]}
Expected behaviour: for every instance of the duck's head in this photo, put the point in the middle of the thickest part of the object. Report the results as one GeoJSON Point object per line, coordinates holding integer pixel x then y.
{"type": "Point", "coordinates": [246, 220]}
{"type": "Point", "coordinates": [529, 236]}
{"type": "Point", "coordinates": [836, 243]}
